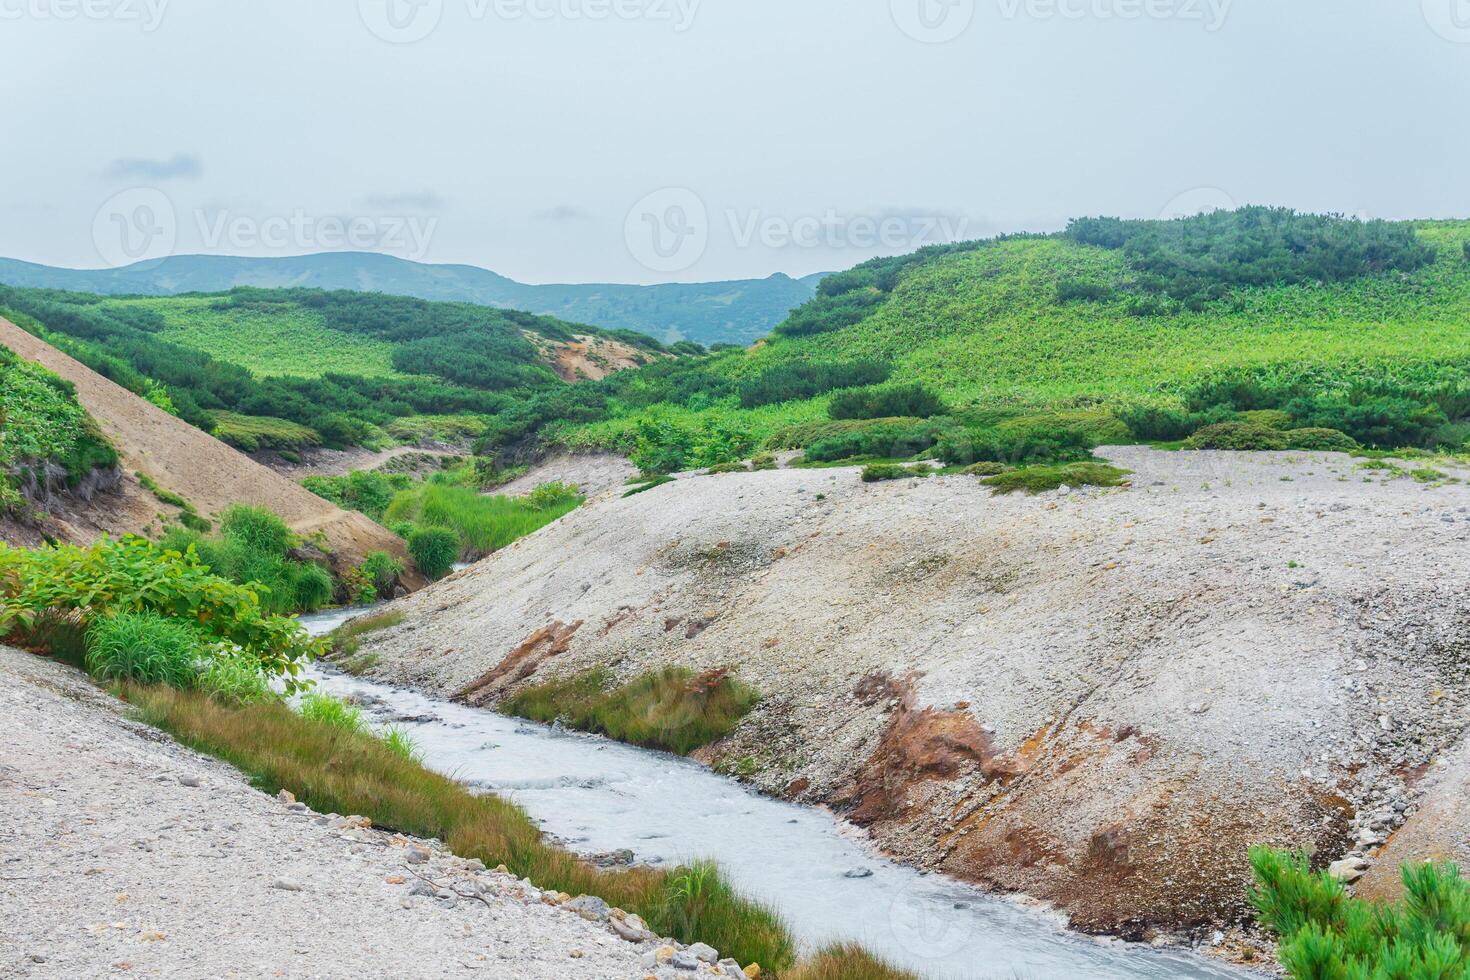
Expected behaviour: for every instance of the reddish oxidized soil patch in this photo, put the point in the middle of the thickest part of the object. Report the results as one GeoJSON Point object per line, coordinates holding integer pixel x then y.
{"type": "Point", "coordinates": [520, 663]}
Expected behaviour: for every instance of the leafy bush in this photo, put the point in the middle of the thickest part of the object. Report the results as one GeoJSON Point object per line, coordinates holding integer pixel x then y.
{"type": "Point", "coordinates": [986, 469]}
{"type": "Point", "coordinates": [912, 401]}
{"type": "Point", "coordinates": [1237, 436]}
{"type": "Point", "coordinates": [1326, 440]}
{"type": "Point", "coordinates": [252, 548]}
{"type": "Point", "coordinates": [381, 570]}
{"type": "Point", "coordinates": [890, 440]}
{"type": "Point", "coordinates": [143, 647]}
{"type": "Point", "coordinates": [368, 492]}
{"type": "Point", "coordinates": [1039, 479]}
{"type": "Point", "coordinates": [1015, 447]}
{"type": "Point", "coordinates": [672, 709]}
{"type": "Point", "coordinates": [808, 379]}
{"type": "Point", "coordinates": [434, 550]}
{"type": "Point", "coordinates": [135, 576]}
{"type": "Point", "coordinates": [1327, 935]}
{"type": "Point", "coordinates": [879, 472]}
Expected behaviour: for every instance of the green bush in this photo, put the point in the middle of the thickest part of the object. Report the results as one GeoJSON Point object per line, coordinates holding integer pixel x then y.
{"type": "Point", "coordinates": [1077, 291]}
{"type": "Point", "coordinates": [552, 495]}
{"type": "Point", "coordinates": [912, 401]}
{"type": "Point", "coordinates": [257, 529]}
{"type": "Point", "coordinates": [879, 472]}
{"type": "Point", "coordinates": [1015, 446]}
{"type": "Point", "coordinates": [1156, 423]}
{"type": "Point", "coordinates": [1327, 935]}
{"type": "Point", "coordinates": [311, 586]}
{"type": "Point", "coordinates": [368, 492]}
{"type": "Point", "coordinates": [434, 550]}
{"type": "Point", "coordinates": [1039, 479]}
{"type": "Point", "coordinates": [132, 575]}
{"type": "Point", "coordinates": [1385, 422]}
{"type": "Point", "coordinates": [1237, 436]}
{"type": "Point", "coordinates": [1270, 418]}
{"type": "Point", "coordinates": [1327, 440]}
{"type": "Point", "coordinates": [889, 440]}
{"type": "Point", "coordinates": [808, 379]}
{"type": "Point", "coordinates": [381, 570]}
{"type": "Point", "coordinates": [986, 469]}
{"type": "Point", "coordinates": [483, 524]}
{"type": "Point", "coordinates": [144, 647]}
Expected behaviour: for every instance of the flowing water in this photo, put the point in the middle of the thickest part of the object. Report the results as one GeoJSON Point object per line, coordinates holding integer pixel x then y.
{"type": "Point", "coordinates": [599, 796]}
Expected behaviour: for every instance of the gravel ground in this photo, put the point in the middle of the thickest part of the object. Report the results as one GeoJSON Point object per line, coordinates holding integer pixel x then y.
{"type": "Point", "coordinates": [1096, 697]}
{"type": "Point", "coordinates": [125, 854]}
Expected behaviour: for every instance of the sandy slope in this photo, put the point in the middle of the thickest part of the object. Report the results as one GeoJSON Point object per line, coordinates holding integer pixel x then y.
{"type": "Point", "coordinates": [194, 465]}
{"type": "Point", "coordinates": [1101, 698]}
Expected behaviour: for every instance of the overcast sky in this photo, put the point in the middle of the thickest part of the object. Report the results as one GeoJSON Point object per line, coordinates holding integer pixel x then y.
{"type": "Point", "coordinates": [653, 140]}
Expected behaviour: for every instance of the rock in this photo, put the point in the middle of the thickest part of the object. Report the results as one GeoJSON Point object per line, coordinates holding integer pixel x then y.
{"type": "Point", "coordinates": [684, 960]}
{"type": "Point", "coordinates": [589, 907]}
{"type": "Point", "coordinates": [731, 967]}
{"type": "Point", "coordinates": [858, 873]}
{"type": "Point", "coordinates": [1348, 870]}
{"type": "Point", "coordinates": [188, 780]}
{"type": "Point", "coordinates": [281, 884]}
{"type": "Point", "coordinates": [656, 958]}
{"type": "Point", "coordinates": [631, 929]}
{"type": "Point", "coordinates": [417, 855]}
{"type": "Point", "coordinates": [752, 971]}
{"type": "Point", "coordinates": [705, 953]}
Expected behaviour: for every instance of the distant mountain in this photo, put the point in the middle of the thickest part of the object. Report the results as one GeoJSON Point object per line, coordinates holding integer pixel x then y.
{"type": "Point", "coordinates": [738, 312]}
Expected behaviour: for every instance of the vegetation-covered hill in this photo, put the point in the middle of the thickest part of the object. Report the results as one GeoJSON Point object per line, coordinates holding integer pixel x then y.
{"type": "Point", "coordinates": [736, 312]}
{"type": "Point", "coordinates": [1131, 330]}
{"type": "Point", "coordinates": [287, 368]}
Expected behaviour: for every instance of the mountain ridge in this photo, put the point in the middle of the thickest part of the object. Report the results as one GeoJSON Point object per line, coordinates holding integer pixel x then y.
{"type": "Point", "coordinates": [738, 311]}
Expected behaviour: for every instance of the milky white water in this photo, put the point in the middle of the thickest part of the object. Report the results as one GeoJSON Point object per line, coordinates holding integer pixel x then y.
{"type": "Point", "coordinates": [599, 796]}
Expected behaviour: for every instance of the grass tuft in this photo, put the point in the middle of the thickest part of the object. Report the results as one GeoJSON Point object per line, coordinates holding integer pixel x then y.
{"type": "Point", "coordinates": [847, 962]}
{"type": "Point", "coordinates": [144, 647]}
{"type": "Point", "coordinates": [1039, 479]}
{"type": "Point", "coordinates": [673, 709]}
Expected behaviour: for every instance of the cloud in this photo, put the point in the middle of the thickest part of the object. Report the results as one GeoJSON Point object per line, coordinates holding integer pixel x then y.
{"type": "Point", "coordinates": [564, 213]}
{"type": "Point", "coordinates": [423, 201]}
{"type": "Point", "coordinates": [183, 166]}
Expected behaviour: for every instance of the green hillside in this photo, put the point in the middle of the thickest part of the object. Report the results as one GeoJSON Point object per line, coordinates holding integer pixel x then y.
{"type": "Point", "coordinates": [290, 368]}
{"type": "Point", "coordinates": [736, 312]}
{"type": "Point", "coordinates": [42, 423]}
{"type": "Point", "coordinates": [1350, 325]}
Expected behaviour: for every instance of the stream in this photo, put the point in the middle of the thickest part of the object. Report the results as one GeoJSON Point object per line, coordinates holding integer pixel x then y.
{"type": "Point", "coordinates": [597, 796]}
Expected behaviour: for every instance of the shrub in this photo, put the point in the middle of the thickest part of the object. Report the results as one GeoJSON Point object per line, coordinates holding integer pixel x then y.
{"type": "Point", "coordinates": [311, 586]}
{"type": "Point", "coordinates": [1075, 291]}
{"type": "Point", "coordinates": [133, 575]}
{"type": "Point", "coordinates": [727, 468]}
{"type": "Point", "coordinates": [1328, 440]}
{"type": "Point", "coordinates": [144, 647]}
{"type": "Point", "coordinates": [1096, 426]}
{"type": "Point", "coordinates": [1386, 422]}
{"type": "Point", "coordinates": [890, 440]}
{"type": "Point", "coordinates": [1015, 446]}
{"type": "Point", "coordinates": [1326, 935]}
{"type": "Point", "coordinates": [1039, 479]}
{"type": "Point", "coordinates": [802, 380]}
{"type": "Point", "coordinates": [1270, 418]}
{"type": "Point", "coordinates": [369, 492]}
{"type": "Point", "coordinates": [1237, 436]}
{"type": "Point", "coordinates": [986, 469]}
{"type": "Point", "coordinates": [879, 472]}
{"type": "Point", "coordinates": [434, 550]}
{"type": "Point", "coordinates": [912, 401]}
{"type": "Point", "coordinates": [381, 571]}
{"type": "Point", "coordinates": [672, 709]}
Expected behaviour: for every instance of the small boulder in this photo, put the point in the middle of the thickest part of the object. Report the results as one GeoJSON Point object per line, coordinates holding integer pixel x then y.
{"type": "Point", "coordinates": [589, 907]}
{"type": "Point", "coordinates": [704, 953]}
{"type": "Point", "coordinates": [1348, 870]}
{"type": "Point", "coordinates": [684, 960]}
{"type": "Point", "coordinates": [417, 855]}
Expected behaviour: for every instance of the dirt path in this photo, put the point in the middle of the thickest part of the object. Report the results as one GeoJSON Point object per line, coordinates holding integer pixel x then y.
{"type": "Point", "coordinates": [1099, 698]}
{"type": "Point", "coordinates": [193, 464]}
{"type": "Point", "coordinates": [125, 854]}
{"type": "Point", "coordinates": [335, 462]}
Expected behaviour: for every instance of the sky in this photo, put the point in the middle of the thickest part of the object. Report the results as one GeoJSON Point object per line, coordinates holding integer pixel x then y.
{"type": "Point", "coordinates": [692, 140]}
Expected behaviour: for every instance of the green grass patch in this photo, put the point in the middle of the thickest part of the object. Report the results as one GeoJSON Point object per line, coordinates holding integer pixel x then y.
{"type": "Point", "coordinates": [253, 432]}
{"type": "Point", "coordinates": [879, 472]}
{"type": "Point", "coordinates": [1039, 479]}
{"type": "Point", "coordinates": [482, 524]}
{"type": "Point", "coordinates": [333, 770]}
{"type": "Point", "coordinates": [648, 485]}
{"type": "Point", "coordinates": [144, 647]}
{"type": "Point", "coordinates": [672, 709]}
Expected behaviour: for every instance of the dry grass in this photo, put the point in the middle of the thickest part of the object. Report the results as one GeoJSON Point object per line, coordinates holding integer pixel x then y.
{"type": "Point", "coordinates": [332, 770]}
{"type": "Point", "coordinates": [846, 962]}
